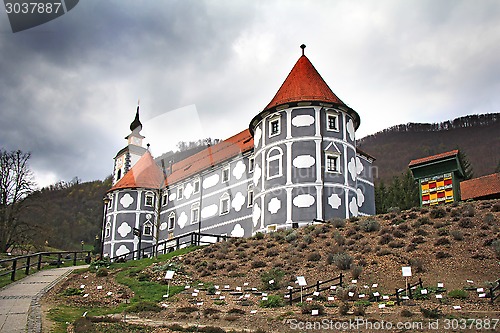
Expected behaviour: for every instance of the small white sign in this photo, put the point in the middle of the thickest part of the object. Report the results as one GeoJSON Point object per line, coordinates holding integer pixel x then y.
{"type": "Point", "coordinates": [351, 294]}
{"type": "Point", "coordinates": [264, 298]}
{"type": "Point", "coordinates": [264, 294]}
{"type": "Point", "coordinates": [333, 287]}
{"type": "Point", "coordinates": [331, 298]}
{"type": "Point", "coordinates": [316, 293]}
{"type": "Point", "coordinates": [289, 287]}
{"type": "Point", "coordinates": [365, 286]}
{"type": "Point", "coordinates": [457, 307]}
{"type": "Point", "coordinates": [109, 293]}
{"type": "Point", "coordinates": [82, 286]}
{"type": "Point", "coordinates": [482, 295]}
{"type": "Point", "coordinates": [194, 294]}
{"type": "Point", "coordinates": [238, 288]}
{"type": "Point", "coordinates": [314, 312]}
{"type": "Point", "coordinates": [406, 271]}
{"type": "Point", "coordinates": [470, 281]}
{"type": "Point", "coordinates": [99, 287]}
{"type": "Point", "coordinates": [480, 290]}
{"type": "Point", "coordinates": [439, 296]}
{"type": "Point", "coordinates": [385, 297]}
{"type": "Point", "coordinates": [423, 291]}
{"type": "Point", "coordinates": [169, 275]}
{"type": "Point", "coordinates": [302, 281]}
{"type": "Point", "coordinates": [199, 303]}
{"type": "Point", "coordinates": [440, 285]}
{"type": "Point", "coordinates": [86, 295]}
{"type": "Point", "coordinates": [196, 290]}
{"type": "Point", "coordinates": [222, 297]}
{"type": "Point", "coordinates": [271, 281]}
{"type": "Point", "coordinates": [187, 287]}
{"type": "Point", "coordinates": [361, 295]}
{"type": "Point", "coordinates": [247, 295]}
{"type": "Point", "coordinates": [245, 284]}
{"type": "Point", "coordinates": [253, 311]}
{"type": "Point", "coordinates": [375, 285]}
{"type": "Point", "coordinates": [226, 286]}
{"type": "Point", "coordinates": [381, 306]}
{"type": "Point", "coordinates": [217, 293]}
{"type": "Point", "coordinates": [216, 287]}
{"type": "Point", "coordinates": [376, 294]}
{"type": "Point", "coordinates": [309, 299]}
{"type": "Point", "coordinates": [354, 281]}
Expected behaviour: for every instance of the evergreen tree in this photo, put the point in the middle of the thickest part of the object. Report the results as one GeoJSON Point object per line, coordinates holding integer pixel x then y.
{"type": "Point", "coordinates": [466, 165]}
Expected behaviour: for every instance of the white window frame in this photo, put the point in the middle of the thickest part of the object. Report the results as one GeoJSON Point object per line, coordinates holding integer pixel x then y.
{"type": "Point", "coordinates": [272, 119]}
{"type": "Point", "coordinates": [337, 162]}
{"type": "Point", "coordinates": [180, 192]}
{"type": "Point", "coordinates": [224, 169]}
{"type": "Point", "coordinates": [273, 158]}
{"type": "Point", "coordinates": [250, 194]}
{"type": "Point", "coordinates": [224, 197]}
{"type": "Point", "coordinates": [171, 217]}
{"type": "Point", "coordinates": [107, 230]}
{"type": "Point", "coordinates": [149, 196]}
{"type": "Point", "coordinates": [196, 181]}
{"type": "Point", "coordinates": [251, 164]}
{"type": "Point", "coordinates": [195, 218]}
{"type": "Point", "coordinates": [147, 224]}
{"type": "Point", "coordinates": [336, 116]}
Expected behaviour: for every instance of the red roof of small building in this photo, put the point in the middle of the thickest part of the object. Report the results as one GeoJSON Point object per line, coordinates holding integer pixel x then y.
{"type": "Point", "coordinates": [304, 83]}
{"type": "Point", "coordinates": [480, 187]}
{"type": "Point", "coordinates": [144, 174]}
{"type": "Point", "coordinates": [229, 148]}
{"type": "Point", "coordinates": [433, 158]}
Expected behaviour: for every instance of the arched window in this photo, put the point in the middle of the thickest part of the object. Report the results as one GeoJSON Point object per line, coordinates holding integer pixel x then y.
{"type": "Point", "coordinates": [274, 163]}
{"type": "Point", "coordinates": [107, 230]}
{"type": "Point", "coordinates": [171, 221]}
{"type": "Point", "coordinates": [147, 229]}
{"type": "Point", "coordinates": [224, 204]}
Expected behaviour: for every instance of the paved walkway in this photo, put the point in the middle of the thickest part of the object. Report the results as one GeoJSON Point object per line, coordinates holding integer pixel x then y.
{"type": "Point", "coordinates": [19, 301]}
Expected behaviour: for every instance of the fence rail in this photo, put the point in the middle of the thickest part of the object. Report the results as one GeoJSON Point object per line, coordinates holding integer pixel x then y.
{"type": "Point", "coordinates": [408, 291]}
{"type": "Point", "coordinates": [169, 245]}
{"type": "Point", "coordinates": [28, 261]}
{"type": "Point", "coordinates": [317, 288]}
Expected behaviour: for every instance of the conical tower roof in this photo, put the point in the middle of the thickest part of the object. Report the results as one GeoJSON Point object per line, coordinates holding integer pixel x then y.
{"type": "Point", "coordinates": [302, 85]}
{"type": "Point", "coordinates": [144, 174]}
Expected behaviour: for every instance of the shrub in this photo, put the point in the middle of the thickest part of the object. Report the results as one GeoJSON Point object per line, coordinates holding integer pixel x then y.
{"type": "Point", "coordinates": [84, 325]}
{"type": "Point", "coordinates": [431, 313]}
{"type": "Point", "coordinates": [457, 235]}
{"type": "Point", "coordinates": [466, 222]}
{"type": "Point", "coordinates": [210, 312]}
{"type": "Point", "coordinates": [418, 240]}
{"type": "Point", "coordinates": [342, 260]}
{"type": "Point", "coordinates": [236, 311]}
{"type": "Point", "coordinates": [417, 264]}
{"type": "Point", "coordinates": [308, 239]}
{"type": "Point", "coordinates": [458, 294]}
{"type": "Point", "coordinates": [273, 301]}
{"type": "Point", "coordinates": [359, 310]}
{"type": "Point", "coordinates": [442, 255]}
{"type": "Point", "coordinates": [356, 271]}
{"type": "Point", "coordinates": [337, 222]}
{"type": "Point", "coordinates": [421, 232]}
{"type": "Point", "coordinates": [72, 292]}
{"type": "Point", "coordinates": [383, 252]}
{"type": "Point", "coordinates": [496, 207]}
{"type": "Point", "coordinates": [385, 239]}
{"type": "Point", "coordinates": [424, 220]}
{"type": "Point", "coordinates": [369, 225]}
{"type": "Point", "coordinates": [259, 235]}
{"type": "Point", "coordinates": [496, 247]}
{"type": "Point", "coordinates": [398, 234]}
{"type": "Point", "coordinates": [291, 237]}
{"type": "Point", "coordinates": [308, 307]}
{"type": "Point", "coordinates": [437, 213]}
{"type": "Point", "coordinates": [275, 274]}
{"type": "Point", "coordinates": [101, 272]}
{"type": "Point", "coordinates": [442, 241]}
{"type": "Point", "coordinates": [144, 306]}
{"type": "Point", "coordinates": [315, 256]}
{"type": "Point", "coordinates": [272, 253]}
{"type": "Point", "coordinates": [468, 210]}
{"type": "Point", "coordinates": [258, 264]}
{"type": "Point", "coordinates": [396, 245]}
{"type": "Point", "coordinates": [344, 308]}
{"type": "Point", "coordinates": [394, 210]}
{"type": "Point", "coordinates": [406, 313]}
{"type": "Point", "coordinates": [339, 238]}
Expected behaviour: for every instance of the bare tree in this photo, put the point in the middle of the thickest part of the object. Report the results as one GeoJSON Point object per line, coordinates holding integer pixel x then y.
{"type": "Point", "coordinates": [16, 183]}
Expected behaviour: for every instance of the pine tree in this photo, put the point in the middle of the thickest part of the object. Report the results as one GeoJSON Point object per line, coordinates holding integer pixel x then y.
{"type": "Point", "coordinates": [466, 166]}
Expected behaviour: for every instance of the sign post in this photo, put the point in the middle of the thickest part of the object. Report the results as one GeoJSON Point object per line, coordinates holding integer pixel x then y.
{"type": "Point", "coordinates": [302, 283]}
{"type": "Point", "coordinates": [168, 277]}
{"type": "Point", "coordinates": [406, 273]}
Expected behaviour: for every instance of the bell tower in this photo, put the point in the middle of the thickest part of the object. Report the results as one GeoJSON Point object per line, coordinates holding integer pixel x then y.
{"type": "Point", "coordinates": [129, 155]}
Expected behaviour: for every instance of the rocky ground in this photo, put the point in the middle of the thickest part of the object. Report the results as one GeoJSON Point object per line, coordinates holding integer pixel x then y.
{"type": "Point", "coordinates": [456, 246]}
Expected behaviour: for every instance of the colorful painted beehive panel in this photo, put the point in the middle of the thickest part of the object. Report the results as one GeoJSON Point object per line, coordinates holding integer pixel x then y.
{"type": "Point", "coordinates": [437, 189]}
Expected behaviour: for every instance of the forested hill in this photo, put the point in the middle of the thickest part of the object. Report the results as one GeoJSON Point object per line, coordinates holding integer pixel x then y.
{"type": "Point", "coordinates": [66, 213]}
{"type": "Point", "coordinates": [475, 135]}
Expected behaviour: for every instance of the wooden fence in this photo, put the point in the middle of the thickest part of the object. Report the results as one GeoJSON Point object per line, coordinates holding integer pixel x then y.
{"type": "Point", "coordinates": [39, 259]}
{"type": "Point", "coordinates": [316, 288]}
{"type": "Point", "coordinates": [492, 291]}
{"type": "Point", "coordinates": [407, 291]}
{"type": "Point", "coordinates": [169, 245]}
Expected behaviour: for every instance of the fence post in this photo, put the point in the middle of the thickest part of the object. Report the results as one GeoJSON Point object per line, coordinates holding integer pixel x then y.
{"type": "Point", "coordinates": [178, 243]}
{"type": "Point", "coordinates": [397, 296]}
{"type": "Point", "coordinates": [13, 275]}
{"type": "Point", "coordinates": [58, 260]}
{"type": "Point", "coordinates": [341, 276]}
{"type": "Point", "coordinates": [420, 282]}
{"type": "Point", "coordinates": [317, 286]}
{"type": "Point", "coordinates": [28, 266]}
{"type": "Point", "coordinates": [291, 296]}
{"type": "Point", "coordinates": [491, 295]}
{"type": "Point", "coordinates": [39, 265]}
{"type": "Point", "coordinates": [409, 292]}
{"type": "Point", "coordinates": [74, 259]}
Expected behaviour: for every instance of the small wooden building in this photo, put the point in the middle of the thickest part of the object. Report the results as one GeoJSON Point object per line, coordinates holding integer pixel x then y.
{"type": "Point", "coordinates": [439, 178]}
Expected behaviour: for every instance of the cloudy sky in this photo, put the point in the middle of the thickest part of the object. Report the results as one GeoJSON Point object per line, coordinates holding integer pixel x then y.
{"type": "Point", "coordinates": [69, 88]}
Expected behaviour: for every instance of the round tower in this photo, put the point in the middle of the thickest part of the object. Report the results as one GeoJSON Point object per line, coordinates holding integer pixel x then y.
{"type": "Point", "coordinates": [306, 164]}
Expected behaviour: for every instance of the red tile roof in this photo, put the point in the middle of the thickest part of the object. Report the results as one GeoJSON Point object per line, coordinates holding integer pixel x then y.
{"type": "Point", "coordinates": [303, 84]}
{"type": "Point", "coordinates": [145, 173]}
{"type": "Point", "coordinates": [229, 148]}
{"type": "Point", "coordinates": [433, 158]}
{"type": "Point", "coordinates": [480, 187]}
